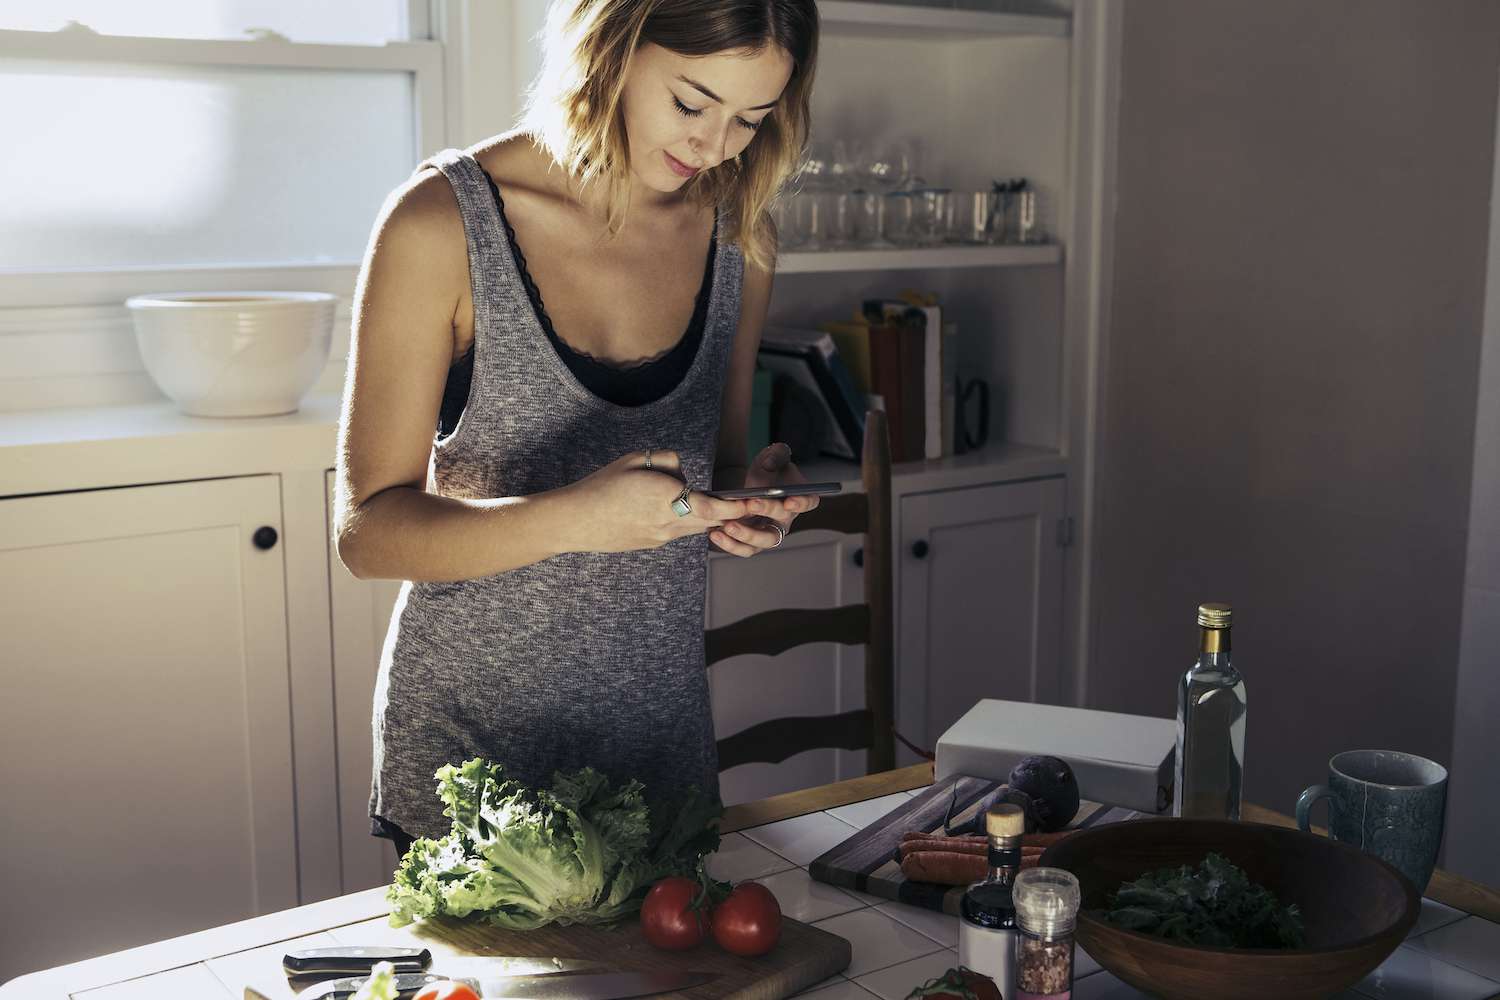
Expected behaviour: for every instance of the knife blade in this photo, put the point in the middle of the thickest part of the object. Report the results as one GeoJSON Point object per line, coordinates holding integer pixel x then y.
{"type": "Point", "coordinates": [350, 959]}
{"type": "Point", "coordinates": [557, 986]}
{"type": "Point", "coordinates": [592, 986]}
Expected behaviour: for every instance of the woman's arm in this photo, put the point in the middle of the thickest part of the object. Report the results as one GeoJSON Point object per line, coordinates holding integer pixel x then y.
{"type": "Point", "coordinates": [387, 525]}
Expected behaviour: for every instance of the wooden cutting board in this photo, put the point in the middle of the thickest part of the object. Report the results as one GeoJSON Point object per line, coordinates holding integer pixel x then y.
{"type": "Point", "coordinates": [805, 956]}
{"type": "Point", "coordinates": [866, 862]}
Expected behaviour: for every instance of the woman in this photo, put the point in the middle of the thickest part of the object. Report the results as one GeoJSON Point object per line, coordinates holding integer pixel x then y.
{"type": "Point", "coordinates": [553, 530]}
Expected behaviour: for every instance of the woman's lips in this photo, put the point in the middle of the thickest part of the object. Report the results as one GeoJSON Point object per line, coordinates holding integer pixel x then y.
{"type": "Point", "coordinates": [678, 167]}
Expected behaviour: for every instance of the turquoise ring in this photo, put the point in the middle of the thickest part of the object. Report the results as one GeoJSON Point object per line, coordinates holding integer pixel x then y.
{"type": "Point", "coordinates": [681, 505]}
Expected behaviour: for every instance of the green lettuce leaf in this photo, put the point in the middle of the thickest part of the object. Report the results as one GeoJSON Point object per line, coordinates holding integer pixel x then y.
{"type": "Point", "coordinates": [577, 852]}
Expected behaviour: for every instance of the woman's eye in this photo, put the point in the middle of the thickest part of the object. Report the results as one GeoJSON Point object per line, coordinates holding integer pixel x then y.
{"type": "Point", "coordinates": [687, 112]}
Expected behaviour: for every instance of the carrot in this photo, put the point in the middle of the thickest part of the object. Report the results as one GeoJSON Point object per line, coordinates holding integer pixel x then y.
{"type": "Point", "coordinates": [918, 835]}
{"type": "Point", "coordinates": [942, 844]}
{"type": "Point", "coordinates": [1045, 839]}
{"type": "Point", "coordinates": [944, 867]}
{"type": "Point", "coordinates": [924, 846]}
{"type": "Point", "coordinates": [955, 867]}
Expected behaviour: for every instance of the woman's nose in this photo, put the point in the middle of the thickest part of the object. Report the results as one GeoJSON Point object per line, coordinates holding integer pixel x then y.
{"type": "Point", "coordinates": [710, 149]}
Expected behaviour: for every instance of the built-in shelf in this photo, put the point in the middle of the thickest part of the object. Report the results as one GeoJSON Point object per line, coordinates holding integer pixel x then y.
{"type": "Point", "coordinates": [810, 262]}
{"type": "Point", "coordinates": [882, 20]}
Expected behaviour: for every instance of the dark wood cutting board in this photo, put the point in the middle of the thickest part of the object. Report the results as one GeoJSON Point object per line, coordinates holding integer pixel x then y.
{"type": "Point", "coordinates": [805, 956]}
{"type": "Point", "coordinates": [866, 862]}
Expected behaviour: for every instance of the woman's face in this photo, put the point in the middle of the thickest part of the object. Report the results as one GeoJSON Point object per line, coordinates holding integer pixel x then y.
{"type": "Point", "coordinates": [689, 113]}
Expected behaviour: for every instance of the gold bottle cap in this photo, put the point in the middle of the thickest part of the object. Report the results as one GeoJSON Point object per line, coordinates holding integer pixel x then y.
{"type": "Point", "coordinates": [1005, 820]}
{"type": "Point", "coordinates": [1214, 615]}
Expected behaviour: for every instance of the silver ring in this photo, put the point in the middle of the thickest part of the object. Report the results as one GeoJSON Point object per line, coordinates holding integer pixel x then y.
{"type": "Point", "coordinates": [681, 505]}
{"type": "Point", "coordinates": [648, 458]}
{"type": "Point", "coordinates": [780, 534]}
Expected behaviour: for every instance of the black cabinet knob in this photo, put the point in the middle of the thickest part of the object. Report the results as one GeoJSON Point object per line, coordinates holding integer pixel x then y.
{"type": "Point", "coordinates": [859, 557]}
{"type": "Point", "coordinates": [264, 537]}
{"type": "Point", "coordinates": [919, 549]}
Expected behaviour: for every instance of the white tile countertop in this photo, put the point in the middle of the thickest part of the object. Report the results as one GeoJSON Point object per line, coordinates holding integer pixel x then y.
{"type": "Point", "coordinates": [1449, 955]}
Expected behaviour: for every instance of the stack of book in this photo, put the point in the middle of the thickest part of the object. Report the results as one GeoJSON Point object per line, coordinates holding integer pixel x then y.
{"type": "Point", "coordinates": [898, 355]}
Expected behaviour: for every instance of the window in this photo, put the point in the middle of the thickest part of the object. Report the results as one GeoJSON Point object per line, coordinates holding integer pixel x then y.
{"type": "Point", "coordinates": [162, 139]}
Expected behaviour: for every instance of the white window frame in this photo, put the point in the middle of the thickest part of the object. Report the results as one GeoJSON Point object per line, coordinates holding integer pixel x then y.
{"type": "Point", "coordinates": [97, 286]}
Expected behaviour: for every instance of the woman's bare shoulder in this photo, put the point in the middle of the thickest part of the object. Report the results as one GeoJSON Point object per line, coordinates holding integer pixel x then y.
{"type": "Point", "coordinates": [517, 163]}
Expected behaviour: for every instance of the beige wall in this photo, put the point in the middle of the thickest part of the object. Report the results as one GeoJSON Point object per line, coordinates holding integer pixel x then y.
{"type": "Point", "coordinates": [1290, 377]}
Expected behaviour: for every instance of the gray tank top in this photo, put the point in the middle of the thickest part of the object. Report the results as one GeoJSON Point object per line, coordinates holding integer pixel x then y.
{"type": "Point", "coordinates": [582, 659]}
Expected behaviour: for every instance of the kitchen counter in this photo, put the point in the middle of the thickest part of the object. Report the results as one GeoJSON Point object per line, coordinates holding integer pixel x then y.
{"type": "Point", "coordinates": [1453, 952]}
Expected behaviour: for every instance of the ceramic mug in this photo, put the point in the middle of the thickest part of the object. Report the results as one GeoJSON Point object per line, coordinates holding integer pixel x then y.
{"type": "Point", "coordinates": [1386, 803]}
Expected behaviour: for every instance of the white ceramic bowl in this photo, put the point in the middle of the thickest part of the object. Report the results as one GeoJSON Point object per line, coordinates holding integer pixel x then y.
{"type": "Point", "coordinates": [234, 354]}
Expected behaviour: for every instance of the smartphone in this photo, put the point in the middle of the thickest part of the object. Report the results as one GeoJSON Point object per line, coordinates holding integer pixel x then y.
{"type": "Point", "coordinates": [784, 490]}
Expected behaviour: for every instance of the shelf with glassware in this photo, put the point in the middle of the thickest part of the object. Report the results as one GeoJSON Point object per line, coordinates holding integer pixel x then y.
{"type": "Point", "coordinates": [862, 18]}
{"type": "Point", "coordinates": [865, 206]}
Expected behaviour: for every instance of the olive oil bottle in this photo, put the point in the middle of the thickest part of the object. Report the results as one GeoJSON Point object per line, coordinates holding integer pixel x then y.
{"type": "Point", "coordinates": [1210, 726]}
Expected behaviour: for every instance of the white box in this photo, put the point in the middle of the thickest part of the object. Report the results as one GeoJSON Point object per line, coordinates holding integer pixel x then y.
{"type": "Point", "coordinates": [1121, 760]}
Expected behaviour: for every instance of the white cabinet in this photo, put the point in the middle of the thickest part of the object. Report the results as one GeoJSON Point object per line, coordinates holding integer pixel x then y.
{"type": "Point", "coordinates": [979, 602]}
{"type": "Point", "coordinates": [145, 733]}
{"type": "Point", "coordinates": [812, 570]}
{"type": "Point", "coordinates": [361, 612]}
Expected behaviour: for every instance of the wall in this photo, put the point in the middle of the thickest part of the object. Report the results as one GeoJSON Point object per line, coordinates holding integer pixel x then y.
{"type": "Point", "coordinates": [1474, 791]}
{"type": "Point", "coordinates": [1289, 387]}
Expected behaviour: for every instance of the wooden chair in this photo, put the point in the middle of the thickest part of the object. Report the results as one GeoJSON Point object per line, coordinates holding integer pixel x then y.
{"type": "Point", "coordinates": [871, 623]}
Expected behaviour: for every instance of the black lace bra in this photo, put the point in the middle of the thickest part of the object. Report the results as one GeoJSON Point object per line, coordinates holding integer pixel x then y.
{"type": "Point", "coordinates": [624, 385]}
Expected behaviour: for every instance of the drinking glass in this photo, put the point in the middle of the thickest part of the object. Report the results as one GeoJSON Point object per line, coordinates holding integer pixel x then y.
{"type": "Point", "coordinates": [811, 224]}
{"type": "Point", "coordinates": [900, 218]}
{"type": "Point", "coordinates": [884, 168]}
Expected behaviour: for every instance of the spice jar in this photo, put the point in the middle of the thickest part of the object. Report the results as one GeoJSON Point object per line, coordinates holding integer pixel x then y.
{"type": "Point", "coordinates": [1046, 902]}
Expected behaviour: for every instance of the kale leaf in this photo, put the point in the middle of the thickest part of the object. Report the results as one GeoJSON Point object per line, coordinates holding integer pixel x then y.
{"type": "Point", "coordinates": [1216, 906]}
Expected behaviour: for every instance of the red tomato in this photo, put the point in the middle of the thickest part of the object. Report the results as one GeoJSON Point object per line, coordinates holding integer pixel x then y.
{"type": "Point", "coordinates": [667, 917]}
{"type": "Point", "coordinates": [748, 923]}
{"type": "Point", "coordinates": [448, 990]}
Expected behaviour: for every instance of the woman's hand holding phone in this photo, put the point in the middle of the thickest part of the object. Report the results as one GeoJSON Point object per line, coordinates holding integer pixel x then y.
{"type": "Point", "coordinates": [747, 536]}
{"type": "Point", "coordinates": [625, 506]}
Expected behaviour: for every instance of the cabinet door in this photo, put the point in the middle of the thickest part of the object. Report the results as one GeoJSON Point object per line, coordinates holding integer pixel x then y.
{"type": "Point", "coordinates": [145, 735]}
{"type": "Point", "coordinates": [810, 570]}
{"type": "Point", "coordinates": [361, 616]}
{"type": "Point", "coordinates": [979, 591]}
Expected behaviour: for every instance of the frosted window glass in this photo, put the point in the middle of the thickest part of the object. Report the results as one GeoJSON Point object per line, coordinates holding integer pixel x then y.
{"type": "Point", "coordinates": [351, 21]}
{"type": "Point", "coordinates": [109, 165]}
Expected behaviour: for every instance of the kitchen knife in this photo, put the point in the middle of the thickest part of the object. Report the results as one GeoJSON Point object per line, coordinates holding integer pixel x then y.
{"type": "Point", "coordinates": [350, 959]}
{"type": "Point", "coordinates": [567, 986]}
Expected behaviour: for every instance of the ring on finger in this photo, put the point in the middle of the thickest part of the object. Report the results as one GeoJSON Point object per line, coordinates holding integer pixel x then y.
{"type": "Point", "coordinates": [648, 458]}
{"type": "Point", "coordinates": [780, 534]}
{"type": "Point", "coordinates": [680, 506]}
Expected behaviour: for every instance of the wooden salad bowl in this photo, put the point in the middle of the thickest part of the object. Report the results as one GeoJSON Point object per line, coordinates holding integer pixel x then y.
{"type": "Point", "coordinates": [1356, 909]}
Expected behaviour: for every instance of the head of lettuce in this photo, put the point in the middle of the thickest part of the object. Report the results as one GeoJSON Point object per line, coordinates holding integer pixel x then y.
{"type": "Point", "coordinates": [579, 852]}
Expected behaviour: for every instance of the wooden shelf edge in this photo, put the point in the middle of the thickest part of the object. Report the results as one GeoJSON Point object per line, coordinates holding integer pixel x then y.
{"type": "Point", "coordinates": [811, 800]}
{"type": "Point", "coordinates": [918, 258]}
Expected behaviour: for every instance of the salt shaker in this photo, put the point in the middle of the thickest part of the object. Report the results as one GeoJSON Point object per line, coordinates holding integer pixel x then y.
{"type": "Point", "coordinates": [1046, 902]}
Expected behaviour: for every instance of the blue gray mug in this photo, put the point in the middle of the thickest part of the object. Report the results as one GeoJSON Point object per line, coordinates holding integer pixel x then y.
{"type": "Point", "coordinates": [1386, 803]}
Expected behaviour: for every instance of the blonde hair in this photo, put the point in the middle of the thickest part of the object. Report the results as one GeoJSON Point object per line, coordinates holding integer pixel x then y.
{"type": "Point", "coordinates": [573, 110]}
